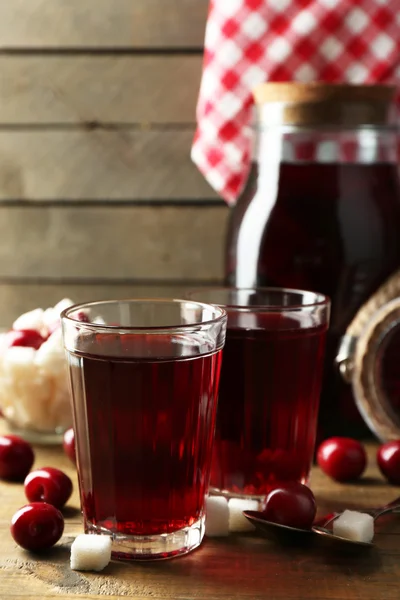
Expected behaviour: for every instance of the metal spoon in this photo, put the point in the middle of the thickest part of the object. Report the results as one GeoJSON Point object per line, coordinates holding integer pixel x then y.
{"type": "Point", "coordinates": [322, 529]}
{"type": "Point", "coordinates": [276, 529]}
{"type": "Point", "coordinates": [320, 526]}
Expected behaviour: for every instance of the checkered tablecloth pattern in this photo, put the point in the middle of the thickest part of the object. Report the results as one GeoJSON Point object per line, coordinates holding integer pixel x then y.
{"type": "Point", "coordinates": [252, 41]}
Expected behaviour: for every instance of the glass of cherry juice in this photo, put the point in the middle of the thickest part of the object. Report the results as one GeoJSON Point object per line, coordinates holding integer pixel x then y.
{"type": "Point", "coordinates": [144, 377]}
{"type": "Point", "coordinates": [269, 389]}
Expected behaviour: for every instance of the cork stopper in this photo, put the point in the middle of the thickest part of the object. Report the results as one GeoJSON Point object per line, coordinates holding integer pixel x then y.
{"type": "Point", "coordinates": [324, 104]}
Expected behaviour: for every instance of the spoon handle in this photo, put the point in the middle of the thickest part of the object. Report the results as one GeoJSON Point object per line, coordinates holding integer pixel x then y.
{"type": "Point", "coordinates": [388, 508]}
{"type": "Point", "coordinates": [374, 512]}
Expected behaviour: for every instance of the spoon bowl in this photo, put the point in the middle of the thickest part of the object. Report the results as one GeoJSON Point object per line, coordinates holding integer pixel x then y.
{"type": "Point", "coordinates": [321, 527]}
{"type": "Point", "coordinates": [326, 531]}
{"type": "Point", "coordinates": [276, 530]}
{"type": "Point", "coordinates": [328, 534]}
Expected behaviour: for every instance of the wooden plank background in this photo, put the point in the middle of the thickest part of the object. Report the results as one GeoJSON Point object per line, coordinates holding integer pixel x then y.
{"type": "Point", "coordinates": [76, 164]}
{"type": "Point", "coordinates": [54, 89]}
{"type": "Point", "coordinates": [98, 195]}
{"type": "Point", "coordinates": [112, 242]}
{"type": "Point", "coordinates": [102, 24]}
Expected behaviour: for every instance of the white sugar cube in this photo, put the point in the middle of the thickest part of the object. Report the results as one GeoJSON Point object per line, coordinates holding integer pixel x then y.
{"type": "Point", "coordinates": [51, 318]}
{"type": "Point", "coordinates": [51, 354]}
{"type": "Point", "coordinates": [31, 320]}
{"type": "Point", "coordinates": [217, 516]}
{"type": "Point", "coordinates": [90, 552]}
{"type": "Point", "coordinates": [62, 305]}
{"type": "Point", "coordinates": [99, 320]}
{"type": "Point", "coordinates": [355, 526]}
{"type": "Point", "coordinates": [237, 521]}
{"type": "Point", "coordinates": [19, 361]}
{"type": "Point", "coordinates": [54, 340]}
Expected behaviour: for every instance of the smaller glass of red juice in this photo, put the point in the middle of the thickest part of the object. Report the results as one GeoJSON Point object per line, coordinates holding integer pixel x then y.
{"type": "Point", "coordinates": [270, 386]}
{"type": "Point", "coordinates": [144, 378]}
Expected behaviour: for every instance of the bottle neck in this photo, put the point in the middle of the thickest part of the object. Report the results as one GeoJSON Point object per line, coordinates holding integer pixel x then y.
{"type": "Point", "coordinates": [369, 145]}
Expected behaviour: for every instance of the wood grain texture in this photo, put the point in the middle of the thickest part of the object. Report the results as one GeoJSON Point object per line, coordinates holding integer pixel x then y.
{"type": "Point", "coordinates": [124, 242]}
{"type": "Point", "coordinates": [241, 567]}
{"type": "Point", "coordinates": [49, 89]}
{"type": "Point", "coordinates": [102, 23]}
{"type": "Point", "coordinates": [17, 298]}
{"type": "Point", "coordinates": [121, 164]}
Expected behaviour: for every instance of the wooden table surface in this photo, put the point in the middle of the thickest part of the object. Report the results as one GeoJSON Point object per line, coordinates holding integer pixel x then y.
{"type": "Point", "coordinates": [241, 566]}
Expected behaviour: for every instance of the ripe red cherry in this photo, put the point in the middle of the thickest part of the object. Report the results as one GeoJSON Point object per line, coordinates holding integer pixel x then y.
{"type": "Point", "coordinates": [388, 457]}
{"type": "Point", "coordinates": [48, 485]}
{"type": "Point", "coordinates": [343, 459]}
{"type": "Point", "coordinates": [69, 444]}
{"type": "Point", "coordinates": [29, 338]}
{"type": "Point", "coordinates": [16, 457]}
{"type": "Point", "coordinates": [291, 504]}
{"type": "Point", "coordinates": [37, 526]}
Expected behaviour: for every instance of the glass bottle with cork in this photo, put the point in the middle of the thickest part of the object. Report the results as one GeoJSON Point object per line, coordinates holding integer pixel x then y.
{"type": "Point", "coordinates": [321, 209]}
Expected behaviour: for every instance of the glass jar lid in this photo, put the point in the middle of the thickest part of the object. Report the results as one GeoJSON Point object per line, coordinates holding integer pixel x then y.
{"type": "Point", "coordinates": [313, 104]}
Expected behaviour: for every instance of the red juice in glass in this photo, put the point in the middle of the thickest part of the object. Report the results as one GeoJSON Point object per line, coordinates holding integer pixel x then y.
{"type": "Point", "coordinates": [269, 390]}
{"type": "Point", "coordinates": [144, 417]}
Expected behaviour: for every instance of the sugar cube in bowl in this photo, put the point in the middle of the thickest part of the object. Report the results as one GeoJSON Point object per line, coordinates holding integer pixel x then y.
{"type": "Point", "coordinates": [354, 525]}
{"type": "Point", "coordinates": [34, 389]}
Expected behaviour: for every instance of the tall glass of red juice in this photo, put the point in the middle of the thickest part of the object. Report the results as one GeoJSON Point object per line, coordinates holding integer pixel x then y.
{"type": "Point", "coordinates": [144, 377]}
{"type": "Point", "coordinates": [270, 386]}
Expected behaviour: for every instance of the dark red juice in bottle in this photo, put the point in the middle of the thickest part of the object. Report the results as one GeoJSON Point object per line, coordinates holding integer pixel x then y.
{"type": "Point", "coordinates": [268, 403]}
{"type": "Point", "coordinates": [326, 227]}
{"type": "Point", "coordinates": [147, 431]}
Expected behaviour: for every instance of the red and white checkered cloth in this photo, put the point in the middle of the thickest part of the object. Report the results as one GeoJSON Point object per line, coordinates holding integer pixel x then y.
{"type": "Point", "coordinates": [252, 41]}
